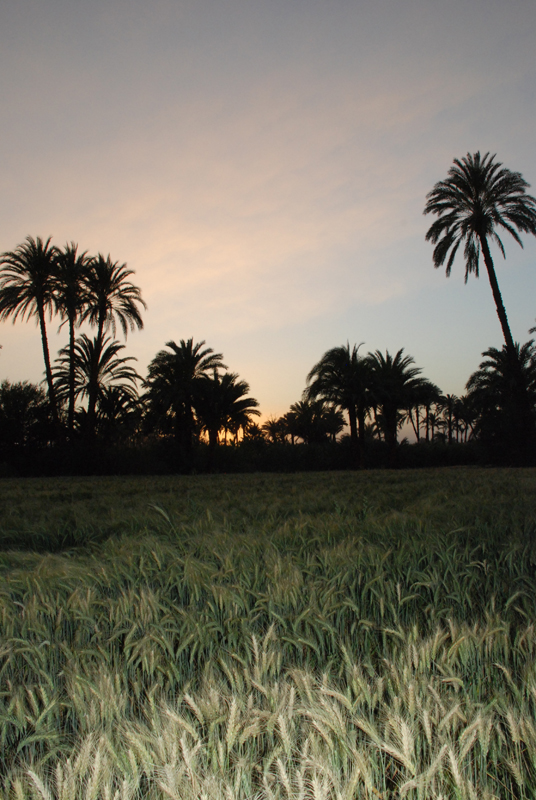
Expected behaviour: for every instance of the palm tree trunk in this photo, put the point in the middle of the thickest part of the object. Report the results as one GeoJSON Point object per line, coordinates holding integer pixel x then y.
{"type": "Point", "coordinates": [70, 419]}
{"type": "Point", "coordinates": [352, 418]}
{"type": "Point", "coordinates": [212, 444]}
{"type": "Point", "coordinates": [361, 417]}
{"type": "Point", "coordinates": [186, 444]}
{"type": "Point", "coordinates": [391, 438]}
{"type": "Point", "coordinates": [414, 422]}
{"type": "Point", "coordinates": [527, 427]}
{"type": "Point", "coordinates": [94, 388]}
{"type": "Point", "coordinates": [378, 427]}
{"type": "Point", "coordinates": [501, 311]}
{"type": "Point", "coordinates": [48, 370]}
{"type": "Point", "coordinates": [94, 384]}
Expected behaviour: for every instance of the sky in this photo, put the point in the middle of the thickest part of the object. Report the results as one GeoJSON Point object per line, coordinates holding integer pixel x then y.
{"type": "Point", "coordinates": [262, 166]}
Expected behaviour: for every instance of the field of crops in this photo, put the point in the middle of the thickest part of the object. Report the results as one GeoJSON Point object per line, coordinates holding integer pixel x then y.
{"type": "Point", "coordinates": [328, 636]}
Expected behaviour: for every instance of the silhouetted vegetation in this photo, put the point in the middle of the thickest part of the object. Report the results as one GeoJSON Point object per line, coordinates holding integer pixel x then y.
{"type": "Point", "coordinates": [98, 415]}
{"type": "Point", "coordinates": [193, 417]}
{"type": "Point", "coordinates": [479, 197]}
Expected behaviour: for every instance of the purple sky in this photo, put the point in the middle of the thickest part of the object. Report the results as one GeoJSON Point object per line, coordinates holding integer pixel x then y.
{"type": "Point", "coordinates": [262, 165]}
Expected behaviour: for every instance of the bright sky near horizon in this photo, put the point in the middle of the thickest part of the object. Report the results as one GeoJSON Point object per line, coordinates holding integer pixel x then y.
{"type": "Point", "coordinates": [262, 165]}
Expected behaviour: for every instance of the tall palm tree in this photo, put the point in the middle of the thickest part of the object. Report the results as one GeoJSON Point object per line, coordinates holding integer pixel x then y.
{"type": "Point", "coordinates": [27, 290]}
{"type": "Point", "coordinates": [342, 377]}
{"type": "Point", "coordinates": [70, 274]}
{"type": "Point", "coordinates": [173, 384]}
{"type": "Point", "coordinates": [395, 385]}
{"type": "Point", "coordinates": [111, 299]}
{"type": "Point", "coordinates": [478, 197]}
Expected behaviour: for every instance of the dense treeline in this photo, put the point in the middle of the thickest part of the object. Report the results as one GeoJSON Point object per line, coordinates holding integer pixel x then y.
{"type": "Point", "coordinates": [190, 413]}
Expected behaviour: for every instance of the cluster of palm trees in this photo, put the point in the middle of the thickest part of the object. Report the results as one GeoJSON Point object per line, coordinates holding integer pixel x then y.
{"type": "Point", "coordinates": [445, 418]}
{"type": "Point", "coordinates": [374, 396]}
{"type": "Point", "coordinates": [39, 280]}
{"type": "Point", "coordinates": [187, 397]}
{"type": "Point", "coordinates": [478, 198]}
{"type": "Point", "coordinates": [189, 394]}
{"type": "Point", "coordinates": [376, 392]}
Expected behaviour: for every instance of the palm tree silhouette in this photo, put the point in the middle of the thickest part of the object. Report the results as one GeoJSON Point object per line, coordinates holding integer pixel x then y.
{"type": "Point", "coordinates": [448, 404]}
{"type": "Point", "coordinates": [27, 290]}
{"type": "Point", "coordinates": [111, 299]}
{"type": "Point", "coordinates": [432, 422]}
{"type": "Point", "coordinates": [395, 386]}
{"type": "Point", "coordinates": [466, 416]}
{"type": "Point", "coordinates": [342, 377]}
{"type": "Point", "coordinates": [96, 364]}
{"type": "Point", "coordinates": [492, 396]}
{"type": "Point", "coordinates": [478, 197]}
{"type": "Point", "coordinates": [119, 413]}
{"type": "Point", "coordinates": [423, 397]}
{"type": "Point", "coordinates": [315, 420]}
{"type": "Point", "coordinates": [287, 424]}
{"type": "Point", "coordinates": [491, 382]}
{"type": "Point", "coordinates": [70, 273]}
{"type": "Point", "coordinates": [222, 405]}
{"type": "Point", "coordinates": [275, 429]}
{"type": "Point", "coordinates": [173, 383]}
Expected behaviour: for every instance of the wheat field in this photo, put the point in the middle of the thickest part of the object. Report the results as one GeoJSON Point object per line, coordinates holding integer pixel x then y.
{"type": "Point", "coordinates": [327, 636]}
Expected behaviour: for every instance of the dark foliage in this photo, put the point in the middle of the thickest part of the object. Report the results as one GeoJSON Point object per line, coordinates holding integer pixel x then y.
{"type": "Point", "coordinates": [492, 394]}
